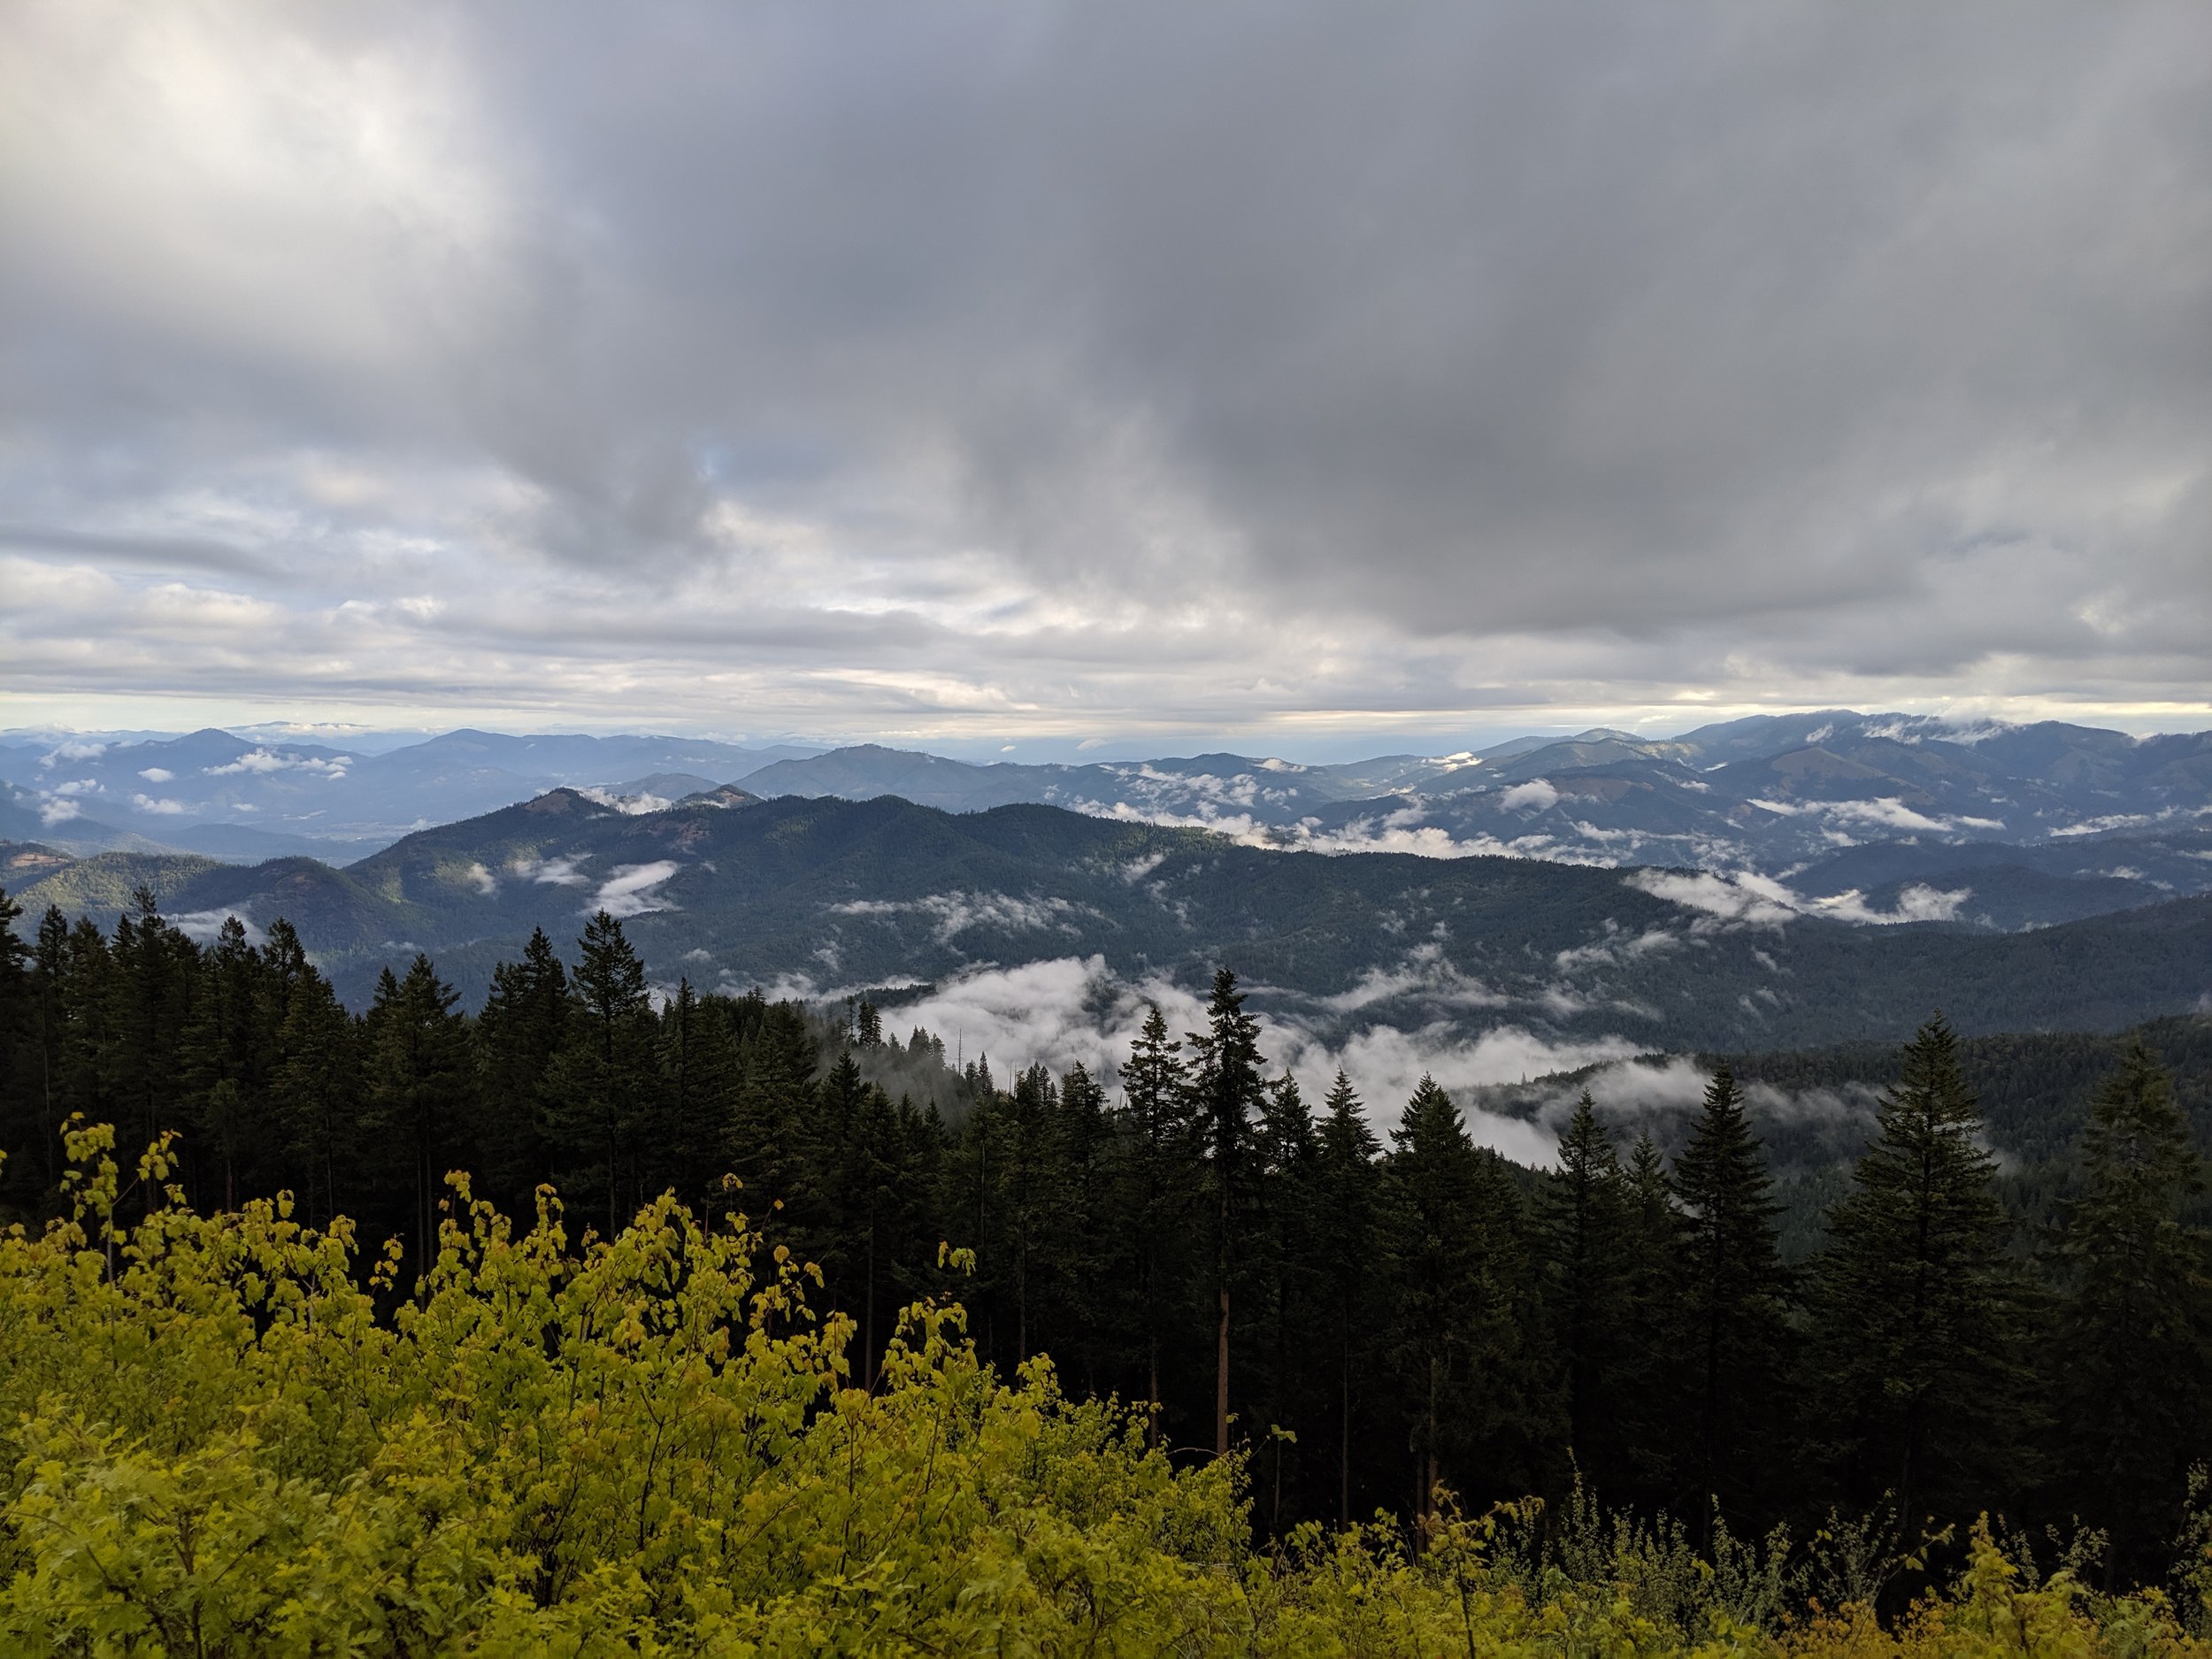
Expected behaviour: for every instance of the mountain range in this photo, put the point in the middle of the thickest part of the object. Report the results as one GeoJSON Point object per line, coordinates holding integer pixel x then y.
{"type": "Point", "coordinates": [1771, 792]}
{"type": "Point", "coordinates": [731, 890]}
{"type": "Point", "coordinates": [238, 798]}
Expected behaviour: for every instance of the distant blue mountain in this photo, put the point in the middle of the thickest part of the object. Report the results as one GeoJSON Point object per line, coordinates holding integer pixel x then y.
{"type": "Point", "coordinates": [1775, 793]}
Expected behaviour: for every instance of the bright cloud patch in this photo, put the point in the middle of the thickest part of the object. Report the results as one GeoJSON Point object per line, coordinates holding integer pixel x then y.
{"type": "Point", "coordinates": [628, 891]}
{"type": "Point", "coordinates": [952, 914]}
{"type": "Point", "coordinates": [203, 926]}
{"type": "Point", "coordinates": [554, 872]}
{"type": "Point", "coordinates": [1425, 972]}
{"type": "Point", "coordinates": [628, 805]}
{"type": "Point", "coordinates": [1534, 796]}
{"type": "Point", "coordinates": [1918, 902]}
{"type": "Point", "coordinates": [1739, 898]}
{"type": "Point", "coordinates": [263, 761]}
{"type": "Point", "coordinates": [1762, 902]}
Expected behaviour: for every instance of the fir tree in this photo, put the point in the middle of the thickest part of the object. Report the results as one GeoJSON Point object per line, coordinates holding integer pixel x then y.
{"type": "Point", "coordinates": [697, 1074]}
{"type": "Point", "coordinates": [316, 1091]}
{"type": "Point", "coordinates": [225, 1059]}
{"type": "Point", "coordinates": [1226, 1088]}
{"type": "Point", "coordinates": [1436, 1244]}
{"type": "Point", "coordinates": [54, 999]}
{"type": "Point", "coordinates": [418, 1082]}
{"type": "Point", "coordinates": [21, 1081]}
{"type": "Point", "coordinates": [2136, 1324]}
{"type": "Point", "coordinates": [1732, 1301]}
{"type": "Point", "coordinates": [1344, 1242]}
{"type": "Point", "coordinates": [149, 1004]}
{"type": "Point", "coordinates": [1919, 1307]}
{"type": "Point", "coordinates": [1158, 1189]}
{"type": "Point", "coordinates": [606, 1069]}
{"type": "Point", "coordinates": [1651, 1393]}
{"type": "Point", "coordinates": [1586, 1255]}
{"type": "Point", "coordinates": [1282, 1273]}
{"type": "Point", "coordinates": [1083, 1267]}
{"type": "Point", "coordinates": [519, 1036]}
{"type": "Point", "coordinates": [1028, 1198]}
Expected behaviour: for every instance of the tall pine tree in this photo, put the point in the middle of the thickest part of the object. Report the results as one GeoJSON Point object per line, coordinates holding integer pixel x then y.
{"type": "Point", "coordinates": [1346, 1216]}
{"type": "Point", "coordinates": [2135, 1342]}
{"type": "Point", "coordinates": [419, 1082]}
{"type": "Point", "coordinates": [1226, 1083]}
{"type": "Point", "coordinates": [519, 1036]}
{"type": "Point", "coordinates": [1158, 1191]}
{"type": "Point", "coordinates": [1735, 1317]}
{"type": "Point", "coordinates": [1919, 1308]}
{"type": "Point", "coordinates": [607, 1070]}
{"type": "Point", "coordinates": [1587, 1262]}
{"type": "Point", "coordinates": [1464, 1344]}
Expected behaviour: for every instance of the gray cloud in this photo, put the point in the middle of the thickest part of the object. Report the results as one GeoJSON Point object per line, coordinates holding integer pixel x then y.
{"type": "Point", "coordinates": [1095, 370]}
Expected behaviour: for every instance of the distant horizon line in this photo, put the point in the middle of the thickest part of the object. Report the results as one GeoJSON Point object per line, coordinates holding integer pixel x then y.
{"type": "Point", "coordinates": [1063, 749]}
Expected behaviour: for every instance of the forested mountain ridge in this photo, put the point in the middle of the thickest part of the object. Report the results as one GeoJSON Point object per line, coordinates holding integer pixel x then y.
{"type": "Point", "coordinates": [1771, 793]}
{"type": "Point", "coordinates": [1768, 792]}
{"type": "Point", "coordinates": [729, 891]}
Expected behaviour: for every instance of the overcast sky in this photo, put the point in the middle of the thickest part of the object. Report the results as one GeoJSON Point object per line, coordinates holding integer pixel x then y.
{"type": "Point", "coordinates": [950, 374]}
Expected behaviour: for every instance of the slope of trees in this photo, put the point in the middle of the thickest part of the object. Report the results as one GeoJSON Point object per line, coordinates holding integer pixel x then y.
{"type": "Point", "coordinates": [1360, 1323]}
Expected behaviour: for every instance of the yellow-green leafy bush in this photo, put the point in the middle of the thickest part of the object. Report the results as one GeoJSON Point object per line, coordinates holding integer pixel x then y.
{"type": "Point", "coordinates": [215, 1439]}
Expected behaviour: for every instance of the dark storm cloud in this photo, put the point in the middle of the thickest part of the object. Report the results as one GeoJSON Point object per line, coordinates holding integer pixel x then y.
{"type": "Point", "coordinates": [1292, 359]}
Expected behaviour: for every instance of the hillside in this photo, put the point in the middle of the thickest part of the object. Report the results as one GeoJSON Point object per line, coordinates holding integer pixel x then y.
{"type": "Point", "coordinates": [730, 892]}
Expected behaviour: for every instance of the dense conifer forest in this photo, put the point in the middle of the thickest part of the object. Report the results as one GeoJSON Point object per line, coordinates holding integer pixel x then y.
{"type": "Point", "coordinates": [1406, 1325]}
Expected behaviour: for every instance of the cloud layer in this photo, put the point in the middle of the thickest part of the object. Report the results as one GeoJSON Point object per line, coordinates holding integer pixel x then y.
{"type": "Point", "coordinates": [1104, 370]}
{"type": "Point", "coordinates": [1073, 1010]}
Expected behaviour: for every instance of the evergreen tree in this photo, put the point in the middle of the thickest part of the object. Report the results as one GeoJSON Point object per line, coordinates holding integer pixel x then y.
{"type": "Point", "coordinates": [1083, 1263]}
{"type": "Point", "coordinates": [90, 998]}
{"type": "Point", "coordinates": [1587, 1259]}
{"type": "Point", "coordinates": [1346, 1213]}
{"type": "Point", "coordinates": [607, 1070]}
{"type": "Point", "coordinates": [1652, 1397]}
{"type": "Point", "coordinates": [1226, 1088]}
{"type": "Point", "coordinates": [418, 1083]}
{"type": "Point", "coordinates": [1919, 1307]}
{"type": "Point", "coordinates": [149, 1006]}
{"type": "Point", "coordinates": [225, 1062]}
{"type": "Point", "coordinates": [2136, 1325]}
{"type": "Point", "coordinates": [1029, 1200]}
{"type": "Point", "coordinates": [315, 1092]}
{"type": "Point", "coordinates": [1732, 1302]}
{"type": "Point", "coordinates": [697, 1073]}
{"type": "Point", "coordinates": [1159, 1187]}
{"type": "Point", "coordinates": [769, 1145]}
{"type": "Point", "coordinates": [22, 1089]}
{"type": "Point", "coordinates": [54, 1000]}
{"type": "Point", "coordinates": [1281, 1276]}
{"type": "Point", "coordinates": [1463, 1318]}
{"type": "Point", "coordinates": [519, 1036]}
{"type": "Point", "coordinates": [850, 1144]}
